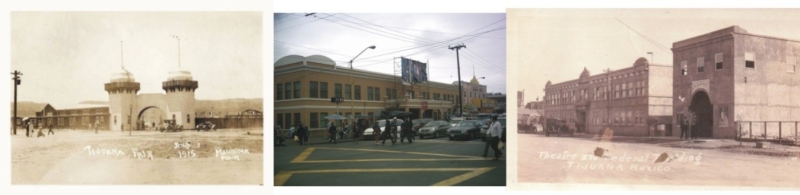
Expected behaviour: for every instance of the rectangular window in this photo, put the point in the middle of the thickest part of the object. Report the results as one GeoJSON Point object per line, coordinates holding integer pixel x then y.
{"type": "Point", "coordinates": [296, 118]}
{"type": "Point", "coordinates": [287, 91]}
{"type": "Point", "coordinates": [287, 120]}
{"type": "Point", "coordinates": [749, 60]}
{"type": "Point", "coordinates": [370, 95]}
{"type": "Point", "coordinates": [337, 90]}
{"type": "Point", "coordinates": [297, 89]}
{"type": "Point", "coordinates": [322, 120]}
{"type": "Point", "coordinates": [718, 61]}
{"type": "Point", "coordinates": [323, 90]}
{"type": "Point", "coordinates": [314, 89]}
{"type": "Point", "coordinates": [377, 94]}
{"type": "Point", "coordinates": [314, 121]}
{"type": "Point", "coordinates": [279, 90]}
{"type": "Point", "coordinates": [791, 63]}
{"type": "Point", "coordinates": [389, 93]}
{"type": "Point", "coordinates": [701, 65]}
{"type": "Point", "coordinates": [357, 92]}
{"type": "Point", "coordinates": [684, 65]}
{"type": "Point", "coordinates": [279, 120]}
{"type": "Point", "coordinates": [188, 119]}
{"type": "Point", "coordinates": [348, 92]}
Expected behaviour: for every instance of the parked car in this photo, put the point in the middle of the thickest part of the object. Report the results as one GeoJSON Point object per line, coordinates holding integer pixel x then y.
{"type": "Point", "coordinates": [485, 127]}
{"type": "Point", "coordinates": [434, 128]}
{"type": "Point", "coordinates": [455, 121]}
{"type": "Point", "coordinates": [465, 129]}
{"type": "Point", "coordinates": [369, 132]}
{"type": "Point", "coordinates": [483, 116]}
{"type": "Point", "coordinates": [420, 122]}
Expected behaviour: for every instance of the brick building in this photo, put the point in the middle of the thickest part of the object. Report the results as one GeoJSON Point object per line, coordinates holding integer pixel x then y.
{"type": "Point", "coordinates": [731, 75]}
{"type": "Point", "coordinates": [630, 101]}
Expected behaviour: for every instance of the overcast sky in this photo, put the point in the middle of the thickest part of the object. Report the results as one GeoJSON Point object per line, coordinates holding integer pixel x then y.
{"type": "Point", "coordinates": [422, 37]}
{"type": "Point", "coordinates": [67, 57]}
{"type": "Point", "coordinates": [556, 44]}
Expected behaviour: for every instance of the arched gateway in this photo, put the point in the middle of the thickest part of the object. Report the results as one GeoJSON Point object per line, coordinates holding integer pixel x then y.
{"type": "Point", "coordinates": [702, 107]}
{"type": "Point", "coordinates": [128, 109]}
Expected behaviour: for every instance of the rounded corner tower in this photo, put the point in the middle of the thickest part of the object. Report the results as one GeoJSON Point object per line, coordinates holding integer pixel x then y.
{"type": "Point", "coordinates": [180, 97]}
{"type": "Point", "coordinates": [122, 91]}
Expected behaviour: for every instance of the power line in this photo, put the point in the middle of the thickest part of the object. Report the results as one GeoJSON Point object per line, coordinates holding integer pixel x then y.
{"type": "Point", "coordinates": [285, 21]}
{"type": "Point", "coordinates": [309, 48]}
{"type": "Point", "coordinates": [303, 23]}
{"type": "Point", "coordinates": [487, 61]}
{"type": "Point", "coordinates": [396, 37]}
{"type": "Point", "coordinates": [645, 37]}
{"type": "Point", "coordinates": [433, 46]}
{"type": "Point", "coordinates": [413, 36]}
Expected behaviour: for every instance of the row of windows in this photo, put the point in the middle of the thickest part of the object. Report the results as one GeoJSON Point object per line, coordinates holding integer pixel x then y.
{"type": "Point", "coordinates": [620, 118]}
{"type": "Point", "coordinates": [74, 120]}
{"type": "Point", "coordinates": [317, 119]}
{"type": "Point", "coordinates": [749, 63]}
{"type": "Point", "coordinates": [347, 92]}
{"type": "Point", "coordinates": [623, 90]}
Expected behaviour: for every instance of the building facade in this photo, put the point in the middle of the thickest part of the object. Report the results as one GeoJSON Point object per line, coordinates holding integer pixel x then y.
{"type": "Point", "coordinates": [127, 108]}
{"type": "Point", "coordinates": [75, 118]}
{"type": "Point", "coordinates": [633, 101]}
{"type": "Point", "coordinates": [730, 75]}
{"type": "Point", "coordinates": [304, 87]}
{"type": "Point", "coordinates": [471, 90]}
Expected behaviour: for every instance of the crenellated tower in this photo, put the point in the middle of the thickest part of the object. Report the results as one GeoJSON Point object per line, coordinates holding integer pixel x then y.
{"type": "Point", "coordinates": [180, 97]}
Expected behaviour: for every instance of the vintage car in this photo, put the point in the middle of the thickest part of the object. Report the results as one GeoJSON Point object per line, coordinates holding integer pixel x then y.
{"type": "Point", "coordinates": [557, 127]}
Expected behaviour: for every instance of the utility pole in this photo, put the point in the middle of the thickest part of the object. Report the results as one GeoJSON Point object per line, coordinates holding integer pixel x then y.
{"type": "Point", "coordinates": [458, 66]}
{"type": "Point", "coordinates": [17, 81]}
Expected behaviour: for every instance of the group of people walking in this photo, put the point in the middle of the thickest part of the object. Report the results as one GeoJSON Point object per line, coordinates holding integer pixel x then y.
{"type": "Point", "coordinates": [29, 130]}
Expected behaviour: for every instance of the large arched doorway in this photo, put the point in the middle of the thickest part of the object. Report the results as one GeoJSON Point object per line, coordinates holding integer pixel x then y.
{"type": "Point", "coordinates": [701, 106]}
{"type": "Point", "coordinates": [150, 117]}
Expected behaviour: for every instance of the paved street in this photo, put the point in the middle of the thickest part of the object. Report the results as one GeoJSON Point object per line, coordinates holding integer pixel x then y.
{"type": "Point", "coordinates": [425, 162]}
{"type": "Point", "coordinates": [720, 162]}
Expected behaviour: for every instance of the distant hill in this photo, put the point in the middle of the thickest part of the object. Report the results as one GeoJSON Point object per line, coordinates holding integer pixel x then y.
{"type": "Point", "coordinates": [26, 109]}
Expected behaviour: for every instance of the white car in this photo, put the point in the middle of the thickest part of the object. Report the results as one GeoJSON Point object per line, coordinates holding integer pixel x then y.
{"type": "Point", "coordinates": [369, 132]}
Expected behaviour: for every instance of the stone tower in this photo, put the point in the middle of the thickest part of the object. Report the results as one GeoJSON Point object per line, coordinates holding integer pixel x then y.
{"type": "Point", "coordinates": [180, 97]}
{"type": "Point", "coordinates": [122, 100]}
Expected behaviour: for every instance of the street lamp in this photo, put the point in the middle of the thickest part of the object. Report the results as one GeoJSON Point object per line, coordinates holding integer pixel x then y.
{"type": "Point", "coordinates": [351, 81]}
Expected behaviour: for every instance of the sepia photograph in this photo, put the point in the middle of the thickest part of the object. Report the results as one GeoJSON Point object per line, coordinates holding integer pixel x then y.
{"type": "Point", "coordinates": [135, 98]}
{"type": "Point", "coordinates": [396, 99]}
{"type": "Point", "coordinates": [689, 98]}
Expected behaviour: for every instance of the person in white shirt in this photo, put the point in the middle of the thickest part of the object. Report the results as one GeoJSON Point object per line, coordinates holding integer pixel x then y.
{"type": "Point", "coordinates": [494, 133]}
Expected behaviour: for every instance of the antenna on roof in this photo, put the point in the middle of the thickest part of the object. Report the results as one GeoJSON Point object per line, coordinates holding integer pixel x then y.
{"type": "Point", "coordinates": [120, 56]}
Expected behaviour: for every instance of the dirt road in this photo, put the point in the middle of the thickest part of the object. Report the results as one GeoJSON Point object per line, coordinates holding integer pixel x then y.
{"type": "Point", "coordinates": [189, 157]}
{"type": "Point", "coordinates": [572, 160]}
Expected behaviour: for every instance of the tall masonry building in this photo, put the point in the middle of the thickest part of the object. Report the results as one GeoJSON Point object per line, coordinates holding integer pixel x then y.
{"type": "Point", "coordinates": [126, 107]}
{"type": "Point", "coordinates": [730, 75]}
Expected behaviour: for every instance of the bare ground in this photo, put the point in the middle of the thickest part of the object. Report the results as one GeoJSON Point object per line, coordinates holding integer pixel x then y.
{"type": "Point", "coordinates": [65, 159]}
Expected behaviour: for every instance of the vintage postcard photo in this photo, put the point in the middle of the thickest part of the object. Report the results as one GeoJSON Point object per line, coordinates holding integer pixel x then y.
{"type": "Point", "coordinates": [127, 98]}
{"type": "Point", "coordinates": [373, 99]}
{"type": "Point", "coordinates": [697, 98]}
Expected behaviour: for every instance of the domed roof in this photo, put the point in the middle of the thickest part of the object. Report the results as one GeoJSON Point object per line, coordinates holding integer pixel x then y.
{"type": "Point", "coordinates": [122, 76]}
{"type": "Point", "coordinates": [291, 59]}
{"type": "Point", "coordinates": [179, 74]}
{"type": "Point", "coordinates": [474, 80]}
{"type": "Point", "coordinates": [640, 61]}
